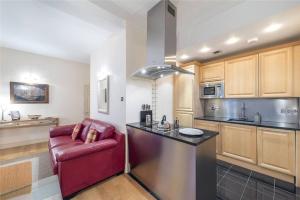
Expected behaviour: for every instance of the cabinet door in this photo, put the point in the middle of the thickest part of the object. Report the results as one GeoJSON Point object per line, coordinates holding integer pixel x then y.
{"type": "Point", "coordinates": [296, 64]}
{"type": "Point", "coordinates": [213, 72]}
{"type": "Point", "coordinates": [186, 119]}
{"type": "Point", "coordinates": [298, 159]}
{"type": "Point", "coordinates": [241, 77]}
{"type": "Point", "coordinates": [276, 150]}
{"type": "Point", "coordinates": [211, 126]}
{"type": "Point", "coordinates": [276, 73]}
{"type": "Point", "coordinates": [239, 142]}
{"type": "Point", "coordinates": [184, 91]}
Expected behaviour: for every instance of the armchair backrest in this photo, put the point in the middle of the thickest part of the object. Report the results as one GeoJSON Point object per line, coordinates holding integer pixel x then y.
{"type": "Point", "coordinates": [104, 129]}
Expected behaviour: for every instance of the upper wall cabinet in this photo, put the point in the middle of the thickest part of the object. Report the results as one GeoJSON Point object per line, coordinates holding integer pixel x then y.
{"type": "Point", "coordinates": [276, 73]}
{"type": "Point", "coordinates": [212, 72]}
{"type": "Point", "coordinates": [296, 63]}
{"type": "Point", "coordinates": [184, 91]}
{"type": "Point", "coordinates": [241, 77]}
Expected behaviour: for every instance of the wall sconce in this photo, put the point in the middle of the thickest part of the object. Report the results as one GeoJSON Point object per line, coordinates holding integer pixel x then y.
{"type": "Point", "coordinates": [30, 78]}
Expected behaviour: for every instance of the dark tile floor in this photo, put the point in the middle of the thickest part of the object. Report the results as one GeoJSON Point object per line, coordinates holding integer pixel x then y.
{"type": "Point", "coordinates": [236, 183]}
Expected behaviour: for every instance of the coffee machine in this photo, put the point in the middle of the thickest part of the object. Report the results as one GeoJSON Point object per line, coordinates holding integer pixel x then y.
{"type": "Point", "coordinates": [146, 113]}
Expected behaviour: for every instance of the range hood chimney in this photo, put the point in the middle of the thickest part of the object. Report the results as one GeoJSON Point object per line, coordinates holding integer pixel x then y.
{"type": "Point", "coordinates": [161, 43]}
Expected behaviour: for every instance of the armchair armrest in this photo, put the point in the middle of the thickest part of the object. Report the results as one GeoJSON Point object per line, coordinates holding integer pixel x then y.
{"type": "Point", "coordinates": [61, 130]}
{"type": "Point", "coordinates": [85, 149]}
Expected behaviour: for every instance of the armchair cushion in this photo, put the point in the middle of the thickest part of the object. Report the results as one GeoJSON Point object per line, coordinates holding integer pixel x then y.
{"type": "Point", "coordinates": [61, 130]}
{"type": "Point", "coordinates": [61, 140]}
{"type": "Point", "coordinates": [83, 150]}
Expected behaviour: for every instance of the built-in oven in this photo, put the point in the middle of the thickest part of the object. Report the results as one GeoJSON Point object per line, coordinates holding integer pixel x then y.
{"type": "Point", "coordinates": [212, 90]}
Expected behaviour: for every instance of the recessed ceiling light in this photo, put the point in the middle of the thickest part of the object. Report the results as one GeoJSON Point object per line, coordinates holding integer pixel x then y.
{"type": "Point", "coordinates": [176, 73]}
{"type": "Point", "coordinates": [252, 40]}
{"type": "Point", "coordinates": [161, 75]}
{"type": "Point", "coordinates": [232, 40]}
{"type": "Point", "coordinates": [272, 28]}
{"type": "Point", "coordinates": [144, 71]}
{"type": "Point", "coordinates": [158, 67]}
{"type": "Point", "coordinates": [204, 49]}
{"type": "Point", "coordinates": [184, 56]}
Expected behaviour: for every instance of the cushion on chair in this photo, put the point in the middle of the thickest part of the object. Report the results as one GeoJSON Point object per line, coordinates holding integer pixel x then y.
{"type": "Point", "coordinates": [91, 136]}
{"type": "Point", "coordinates": [77, 131]}
{"type": "Point", "coordinates": [86, 127]}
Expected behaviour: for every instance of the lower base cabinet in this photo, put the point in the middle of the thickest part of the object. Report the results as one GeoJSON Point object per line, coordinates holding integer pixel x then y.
{"type": "Point", "coordinates": [239, 142]}
{"type": "Point", "coordinates": [276, 150]}
{"type": "Point", "coordinates": [211, 126]}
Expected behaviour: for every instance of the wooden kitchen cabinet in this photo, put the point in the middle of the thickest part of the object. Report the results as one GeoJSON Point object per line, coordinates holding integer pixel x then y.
{"type": "Point", "coordinates": [276, 73]}
{"type": "Point", "coordinates": [186, 95]}
{"type": "Point", "coordinates": [298, 158]}
{"type": "Point", "coordinates": [186, 119]}
{"type": "Point", "coordinates": [241, 77]}
{"type": "Point", "coordinates": [276, 150]}
{"type": "Point", "coordinates": [211, 126]}
{"type": "Point", "coordinates": [212, 72]}
{"type": "Point", "coordinates": [296, 64]}
{"type": "Point", "coordinates": [239, 142]}
{"type": "Point", "coordinates": [184, 91]}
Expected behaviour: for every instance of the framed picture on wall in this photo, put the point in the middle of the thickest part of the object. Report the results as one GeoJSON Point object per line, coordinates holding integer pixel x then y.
{"type": "Point", "coordinates": [24, 93]}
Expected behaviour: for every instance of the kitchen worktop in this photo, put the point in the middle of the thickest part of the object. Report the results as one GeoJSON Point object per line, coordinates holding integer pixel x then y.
{"type": "Point", "coordinates": [174, 134]}
{"type": "Point", "coordinates": [286, 126]}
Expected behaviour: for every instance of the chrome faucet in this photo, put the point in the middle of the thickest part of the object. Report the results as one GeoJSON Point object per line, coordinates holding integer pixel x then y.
{"type": "Point", "coordinates": [243, 112]}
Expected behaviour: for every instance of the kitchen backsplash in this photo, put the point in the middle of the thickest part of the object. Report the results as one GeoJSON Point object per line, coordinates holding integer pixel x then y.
{"type": "Point", "coordinates": [276, 110]}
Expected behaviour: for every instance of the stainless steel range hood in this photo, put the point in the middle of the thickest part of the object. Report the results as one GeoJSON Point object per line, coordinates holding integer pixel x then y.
{"type": "Point", "coordinates": [161, 43]}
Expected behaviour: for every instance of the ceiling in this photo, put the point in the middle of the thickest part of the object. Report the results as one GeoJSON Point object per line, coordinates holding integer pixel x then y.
{"type": "Point", "coordinates": [73, 29]}
{"type": "Point", "coordinates": [211, 23]}
{"type": "Point", "coordinates": [63, 29]}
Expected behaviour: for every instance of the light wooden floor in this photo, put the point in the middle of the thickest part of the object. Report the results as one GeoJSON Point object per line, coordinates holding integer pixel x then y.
{"type": "Point", "coordinates": [23, 151]}
{"type": "Point", "coordinates": [121, 187]}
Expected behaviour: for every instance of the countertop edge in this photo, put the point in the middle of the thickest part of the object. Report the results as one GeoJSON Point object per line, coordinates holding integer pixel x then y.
{"type": "Point", "coordinates": [179, 140]}
{"type": "Point", "coordinates": [247, 124]}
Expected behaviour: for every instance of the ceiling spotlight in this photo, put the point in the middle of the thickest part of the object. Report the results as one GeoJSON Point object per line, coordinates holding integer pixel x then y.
{"type": "Point", "coordinates": [232, 40]}
{"type": "Point", "coordinates": [272, 28]}
{"type": "Point", "coordinates": [204, 49]}
{"type": "Point", "coordinates": [144, 71]}
{"type": "Point", "coordinates": [161, 75]}
{"type": "Point", "coordinates": [184, 56]}
{"type": "Point", "coordinates": [252, 40]}
{"type": "Point", "coordinates": [176, 73]}
{"type": "Point", "coordinates": [158, 67]}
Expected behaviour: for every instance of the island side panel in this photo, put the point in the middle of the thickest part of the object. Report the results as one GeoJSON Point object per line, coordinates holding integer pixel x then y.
{"type": "Point", "coordinates": [206, 170]}
{"type": "Point", "coordinates": [165, 166]}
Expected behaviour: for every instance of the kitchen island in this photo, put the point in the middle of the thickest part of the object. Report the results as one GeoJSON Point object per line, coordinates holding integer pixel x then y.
{"type": "Point", "coordinates": [171, 165]}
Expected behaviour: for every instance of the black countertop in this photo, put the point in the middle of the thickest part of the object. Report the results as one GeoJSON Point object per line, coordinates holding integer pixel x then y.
{"type": "Point", "coordinates": [286, 126]}
{"type": "Point", "coordinates": [175, 135]}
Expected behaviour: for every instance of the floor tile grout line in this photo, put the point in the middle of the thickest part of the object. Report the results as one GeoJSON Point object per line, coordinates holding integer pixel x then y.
{"type": "Point", "coordinates": [227, 171]}
{"type": "Point", "coordinates": [245, 186]}
{"type": "Point", "coordinates": [274, 190]}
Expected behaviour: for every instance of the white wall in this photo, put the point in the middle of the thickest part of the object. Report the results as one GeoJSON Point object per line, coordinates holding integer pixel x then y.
{"type": "Point", "coordinates": [65, 78]}
{"type": "Point", "coordinates": [110, 59]}
{"type": "Point", "coordinates": [164, 101]}
{"type": "Point", "coordinates": [138, 92]}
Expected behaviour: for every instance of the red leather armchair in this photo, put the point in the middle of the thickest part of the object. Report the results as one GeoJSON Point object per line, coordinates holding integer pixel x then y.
{"type": "Point", "coordinates": [80, 165]}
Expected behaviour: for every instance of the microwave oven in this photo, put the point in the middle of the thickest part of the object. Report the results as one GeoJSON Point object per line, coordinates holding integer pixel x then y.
{"type": "Point", "coordinates": [212, 90]}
